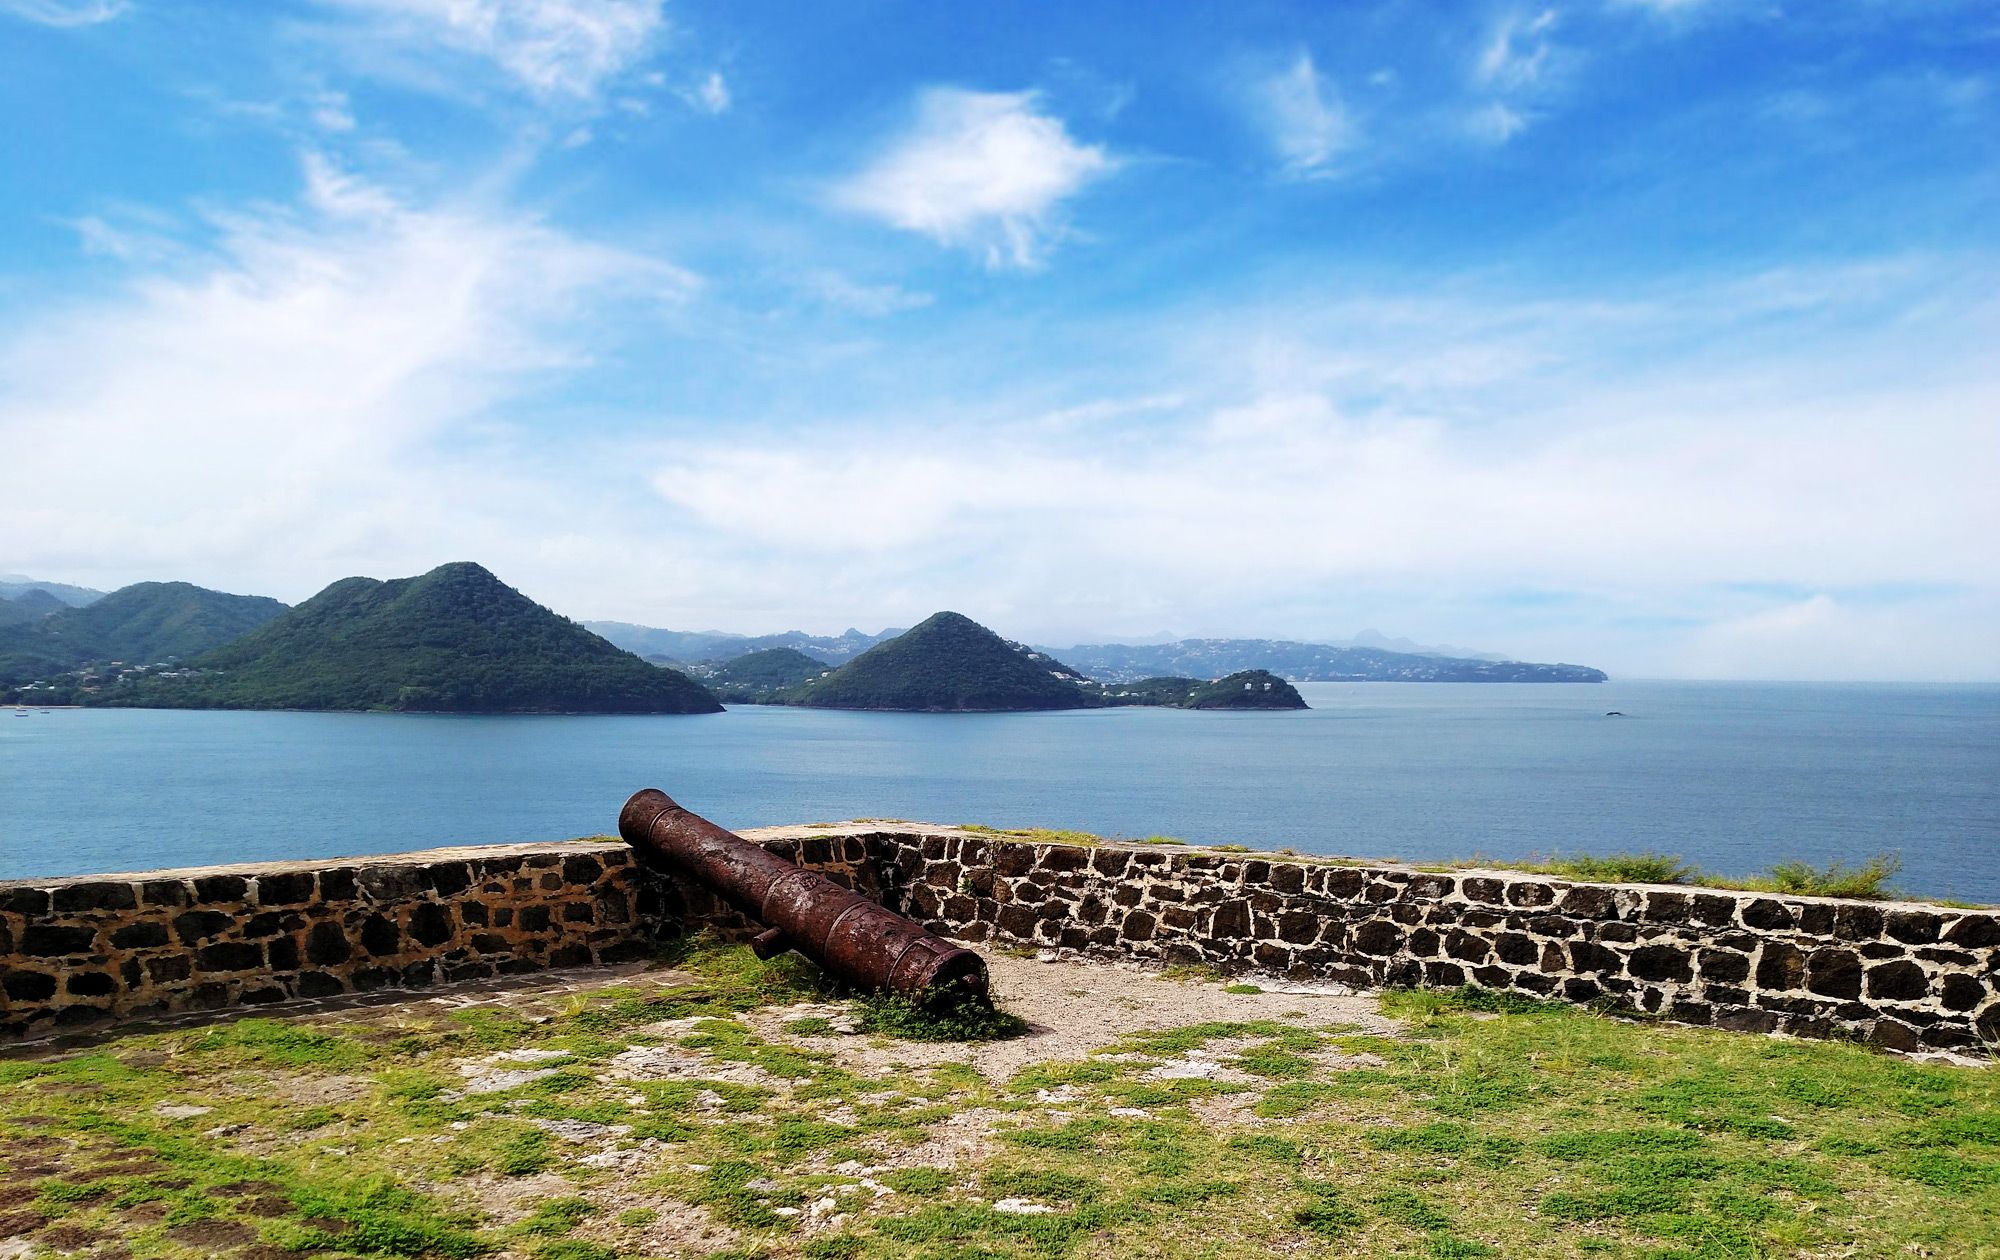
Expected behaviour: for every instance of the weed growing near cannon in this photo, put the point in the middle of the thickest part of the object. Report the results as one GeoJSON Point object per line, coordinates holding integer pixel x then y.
{"type": "Point", "coordinates": [964, 1018]}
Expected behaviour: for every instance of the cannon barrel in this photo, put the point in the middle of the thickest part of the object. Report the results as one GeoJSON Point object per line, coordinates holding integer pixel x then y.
{"type": "Point", "coordinates": [845, 933]}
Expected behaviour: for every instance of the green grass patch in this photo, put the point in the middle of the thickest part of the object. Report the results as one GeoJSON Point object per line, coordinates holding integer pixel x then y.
{"type": "Point", "coordinates": [966, 1018]}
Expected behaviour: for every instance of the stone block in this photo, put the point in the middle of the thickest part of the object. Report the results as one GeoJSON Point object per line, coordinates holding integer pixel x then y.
{"type": "Point", "coordinates": [1834, 973]}
{"type": "Point", "coordinates": [42, 940]}
{"type": "Point", "coordinates": [96, 895]}
{"type": "Point", "coordinates": [1901, 981]}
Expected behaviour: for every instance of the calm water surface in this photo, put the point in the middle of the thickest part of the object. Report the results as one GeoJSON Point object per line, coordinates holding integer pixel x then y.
{"type": "Point", "coordinates": [1732, 776]}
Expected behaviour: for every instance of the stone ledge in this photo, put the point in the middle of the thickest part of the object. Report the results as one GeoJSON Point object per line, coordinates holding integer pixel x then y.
{"type": "Point", "coordinates": [86, 950]}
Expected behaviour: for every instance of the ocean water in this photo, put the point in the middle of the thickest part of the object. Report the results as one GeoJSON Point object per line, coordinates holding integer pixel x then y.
{"type": "Point", "coordinates": [1731, 776]}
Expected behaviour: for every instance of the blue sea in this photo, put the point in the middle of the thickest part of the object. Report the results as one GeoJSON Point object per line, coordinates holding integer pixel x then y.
{"type": "Point", "coordinates": [1732, 776]}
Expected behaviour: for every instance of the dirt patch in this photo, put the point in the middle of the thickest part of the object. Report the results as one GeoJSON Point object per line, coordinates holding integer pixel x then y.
{"type": "Point", "coordinates": [15, 1196]}
{"type": "Point", "coordinates": [962, 1139]}
{"type": "Point", "coordinates": [1073, 1007]}
{"type": "Point", "coordinates": [72, 1237]}
{"type": "Point", "coordinates": [14, 1224]}
{"type": "Point", "coordinates": [679, 1229]}
{"type": "Point", "coordinates": [512, 1199]}
{"type": "Point", "coordinates": [212, 1234]}
{"type": "Point", "coordinates": [1223, 1112]}
{"type": "Point", "coordinates": [151, 1212]}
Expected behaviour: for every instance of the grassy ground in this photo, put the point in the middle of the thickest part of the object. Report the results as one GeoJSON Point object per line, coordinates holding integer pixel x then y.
{"type": "Point", "coordinates": [680, 1112]}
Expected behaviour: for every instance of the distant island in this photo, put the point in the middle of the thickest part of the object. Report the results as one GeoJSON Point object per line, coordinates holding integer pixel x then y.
{"type": "Point", "coordinates": [1306, 662]}
{"type": "Point", "coordinates": [1245, 689]}
{"type": "Point", "coordinates": [454, 640]}
{"type": "Point", "coordinates": [1369, 657]}
{"type": "Point", "coordinates": [949, 663]}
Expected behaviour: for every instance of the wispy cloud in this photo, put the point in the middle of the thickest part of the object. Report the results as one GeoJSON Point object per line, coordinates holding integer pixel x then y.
{"type": "Point", "coordinates": [1495, 123]}
{"type": "Point", "coordinates": [1483, 444]}
{"type": "Point", "coordinates": [64, 12]}
{"type": "Point", "coordinates": [987, 171]}
{"type": "Point", "coordinates": [1518, 63]}
{"type": "Point", "coordinates": [281, 390]}
{"type": "Point", "coordinates": [1518, 53]}
{"type": "Point", "coordinates": [1301, 111]}
{"type": "Point", "coordinates": [710, 94]}
{"type": "Point", "coordinates": [555, 49]}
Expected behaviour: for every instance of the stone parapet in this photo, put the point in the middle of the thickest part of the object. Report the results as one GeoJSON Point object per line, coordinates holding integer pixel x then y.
{"type": "Point", "coordinates": [1906, 975]}
{"type": "Point", "coordinates": [87, 951]}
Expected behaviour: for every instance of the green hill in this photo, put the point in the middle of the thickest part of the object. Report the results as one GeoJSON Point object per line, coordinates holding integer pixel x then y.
{"type": "Point", "coordinates": [455, 640]}
{"type": "Point", "coordinates": [947, 664]}
{"type": "Point", "coordinates": [1246, 689]}
{"type": "Point", "coordinates": [30, 605]}
{"type": "Point", "coordinates": [757, 677]}
{"type": "Point", "coordinates": [140, 624]}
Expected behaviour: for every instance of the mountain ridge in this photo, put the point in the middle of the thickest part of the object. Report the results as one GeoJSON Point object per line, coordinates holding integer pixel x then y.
{"type": "Point", "coordinates": [455, 639]}
{"type": "Point", "coordinates": [141, 624]}
{"type": "Point", "coordinates": [946, 663]}
{"type": "Point", "coordinates": [1305, 662]}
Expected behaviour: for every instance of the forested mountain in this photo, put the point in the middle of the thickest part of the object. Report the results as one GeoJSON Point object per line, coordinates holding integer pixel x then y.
{"type": "Point", "coordinates": [32, 604]}
{"type": "Point", "coordinates": [758, 677]}
{"type": "Point", "coordinates": [456, 639]}
{"type": "Point", "coordinates": [12, 585]}
{"type": "Point", "coordinates": [1302, 662]}
{"type": "Point", "coordinates": [947, 663]}
{"type": "Point", "coordinates": [142, 624]}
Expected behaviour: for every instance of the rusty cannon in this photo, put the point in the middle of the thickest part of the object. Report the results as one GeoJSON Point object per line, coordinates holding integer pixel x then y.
{"type": "Point", "coordinates": [848, 935]}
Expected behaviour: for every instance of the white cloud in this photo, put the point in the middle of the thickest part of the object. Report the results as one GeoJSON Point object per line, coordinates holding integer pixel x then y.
{"type": "Point", "coordinates": [1303, 115]}
{"type": "Point", "coordinates": [1518, 64]}
{"type": "Point", "coordinates": [331, 112]}
{"type": "Point", "coordinates": [1518, 54]}
{"type": "Point", "coordinates": [1284, 498]}
{"type": "Point", "coordinates": [1332, 461]}
{"type": "Point", "coordinates": [1495, 123]}
{"type": "Point", "coordinates": [987, 171]}
{"type": "Point", "coordinates": [554, 48]}
{"type": "Point", "coordinates": [710, 95]}
{"type": "Point", "coordinates": [837, 290]}
{"type": "Point", "coordinates": [1826, 636]}
{"type": "Point", "coordinates": [276, 408]}
{"type": "Point", "coordinates": [64, 12]}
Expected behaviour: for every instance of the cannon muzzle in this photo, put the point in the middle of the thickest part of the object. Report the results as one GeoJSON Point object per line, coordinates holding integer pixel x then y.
{"type": "Point", "coordinates": [848, 935]}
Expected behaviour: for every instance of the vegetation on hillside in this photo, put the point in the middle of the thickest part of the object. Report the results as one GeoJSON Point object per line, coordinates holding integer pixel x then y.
{"type": "Point", "coordinates": [1247, 689]}
{"type": "Point", "coordinates": [455, 640]}
{"type": "Point", "coordinates": [30, 605]}
{"type": "Point", "coordinates": [140, 624]}
{"type": "Point", "coordinates": [948, 663]}
{"type": "Point", "coordinates": [755, 677]}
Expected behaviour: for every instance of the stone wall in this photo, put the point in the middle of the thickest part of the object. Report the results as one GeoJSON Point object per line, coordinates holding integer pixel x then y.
{"type": "Point", "coordinates": [1902, 975]}
{"type": "Point", "coordinates": [1905, 975]}
{"type": "Point", "coordinates": [80, 952]}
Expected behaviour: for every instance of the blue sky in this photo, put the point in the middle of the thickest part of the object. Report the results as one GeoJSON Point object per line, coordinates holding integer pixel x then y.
{"type": "Point", "coordinates": [1655, 334]}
